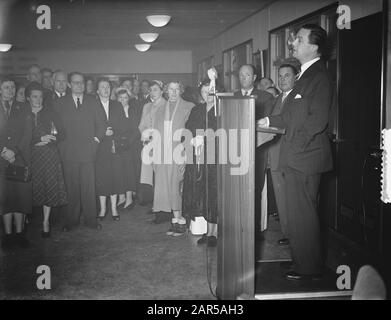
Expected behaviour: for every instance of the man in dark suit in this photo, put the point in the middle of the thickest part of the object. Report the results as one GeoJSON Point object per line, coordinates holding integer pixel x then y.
{"type": "Point", "coordinates": [286, 80]}
{"type": "Point", "coordinates": [84, 126]}
{"type": "Point", "coordinates": [305, 150]}
{"type": "Point", "coordinates": [35, 75]}
{"type": "Point", "coordinates": [263, 106]}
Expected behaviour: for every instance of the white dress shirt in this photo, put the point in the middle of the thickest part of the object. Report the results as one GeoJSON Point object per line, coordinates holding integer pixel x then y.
{"type": "Point", "coordinates": [285, 94]}
{"type": "Point", "coordinates": [75, 99]}
{"type": "Point", "coordinates": [247, 92]}
{"type": "Point", "coordinates": [306, 65]}
{"type": "Point", "coordinates": [105, 105]}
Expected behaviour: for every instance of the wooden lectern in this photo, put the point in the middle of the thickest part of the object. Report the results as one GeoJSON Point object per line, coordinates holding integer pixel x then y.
{"type": "Point", "coordinates": [235, 264]}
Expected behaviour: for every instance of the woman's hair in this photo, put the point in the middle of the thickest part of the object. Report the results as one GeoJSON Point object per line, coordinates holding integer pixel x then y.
{"type": "Point", "coordinates": [103, 80]}
{"type": "Point", "coordinates": [127, 79]}
{"type": "Point", "coordinates": [156, 83]}
{"type": "Point", "coordinates": [122, 91]}
{"type": "Point", "coordinates": [181, 87]}
{"type": "Point", "coordinates": [31, 87]}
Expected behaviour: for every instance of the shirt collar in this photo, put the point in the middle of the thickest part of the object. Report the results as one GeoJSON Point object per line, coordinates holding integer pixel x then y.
{"type": "Point", "coordinates": [306, 65]}
{"type": "Point", "coordinates": [75, 98]}
{"type": "Point", "coordinates": [247, 90]}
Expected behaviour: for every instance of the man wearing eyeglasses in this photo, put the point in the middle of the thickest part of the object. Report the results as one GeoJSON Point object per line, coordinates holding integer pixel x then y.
{"type": "Point", "coordinates": [84, 127]}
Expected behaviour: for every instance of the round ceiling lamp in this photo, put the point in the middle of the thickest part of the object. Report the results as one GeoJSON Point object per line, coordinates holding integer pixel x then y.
{"type": "Point", "coordinates": [158, 20]}
{"type": "Point", "coordinates": [4, 47]}
{"type": "Point", "coordinates": [142, 47]}
{"type": "Point", "coordinates": [148, 37]}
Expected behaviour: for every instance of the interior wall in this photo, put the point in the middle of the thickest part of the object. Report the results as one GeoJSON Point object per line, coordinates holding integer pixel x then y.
{"type": "Point", "coordinates": [170, 64]}
{"type": "Point", "coordinates": [257, 26]}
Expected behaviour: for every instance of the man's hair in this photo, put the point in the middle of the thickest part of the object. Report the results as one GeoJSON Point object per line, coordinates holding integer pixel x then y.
{"type": "Point", "coordinates": [6, 79]}
{"type": "Point", "coordinates": [267, 78]}
{"type": "Point", "coordinates": [288, 65]}
{"type": "Point", "coordinates": [145, 81]}
{"type": "Point", "coordinates": [250, 66]}
{"type": "Point", "coordinates": [34, 66]}
{"type": "Point", "coordinates": [46, 70]}
{"type": "Point", "coordinates": [33, 86]}
{"type": "Point", "coordinates": [73, 73]}
{"type": "Point", "coordinates": [58, 71]}
{"type": "Point", "coordinates": [317, 36]}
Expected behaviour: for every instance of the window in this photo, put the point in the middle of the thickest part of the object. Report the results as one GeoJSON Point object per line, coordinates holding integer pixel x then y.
{"type": "Point", "coordinates": [281, 51]}
{"type": "Point", "coordinates": [232, 60]}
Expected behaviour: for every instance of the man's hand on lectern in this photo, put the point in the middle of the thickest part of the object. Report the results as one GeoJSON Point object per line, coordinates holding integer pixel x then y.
{"type": "Point", "coordinates": [264, 122]}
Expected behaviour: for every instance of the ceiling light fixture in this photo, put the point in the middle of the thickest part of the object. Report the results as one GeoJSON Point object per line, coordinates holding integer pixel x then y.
{"type": "Point", "coordinates": [4, 47]}
{"type": "Point", "coordinates": [158, 20]}
{"type": "Point", "coordinates": [148, 37]}
{"type": "Point", "coordinates": [142, 47]}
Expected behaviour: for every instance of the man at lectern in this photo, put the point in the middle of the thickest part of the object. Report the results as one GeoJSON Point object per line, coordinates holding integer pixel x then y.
{"type": "Point", "coordinates": [263, 107]}
{"type": "Point", "coordinates": [305, 150]}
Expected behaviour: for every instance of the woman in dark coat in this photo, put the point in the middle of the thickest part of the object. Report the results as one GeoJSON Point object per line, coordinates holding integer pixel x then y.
{"type": "Point", "coordinates": [47, 174]}
{"type": "Point", "coordinates": [128, 154]}
{"type": "Point", "coordinates": [195, 201]}
{"type": "Point", "coordinates": [109, 178]}
{"type": "Point", "coordinates": [15, 144]}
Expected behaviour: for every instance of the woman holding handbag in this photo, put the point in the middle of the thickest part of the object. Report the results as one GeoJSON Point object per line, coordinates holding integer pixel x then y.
{"type": "Point", "coordinates": [46, 169]}
{"type": "Point", "coordinates": [127, 149]}
{"type": "Point", "coordinates": [15, 145]}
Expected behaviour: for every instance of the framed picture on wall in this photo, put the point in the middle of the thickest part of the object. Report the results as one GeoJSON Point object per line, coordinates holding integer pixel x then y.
{"type": "Point", "coordinates": [233, 58]}
{"type": "Point", "coordinates": [260, 62]}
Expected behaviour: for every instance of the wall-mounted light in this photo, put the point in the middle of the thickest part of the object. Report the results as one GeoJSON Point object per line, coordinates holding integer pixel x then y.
{"type": "Point", "coordinates": [142, 47]}
{"type": "Point", "coordinates": [148, 37]}
{"type": "Point", "coordinates": [158, 20]}
{"type": "Point", "coordinates": [4, 47]}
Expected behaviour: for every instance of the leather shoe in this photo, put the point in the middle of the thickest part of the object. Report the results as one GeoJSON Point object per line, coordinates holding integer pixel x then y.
{"type": "Point", "coordinates": [292, 275]}
{"type": "Point", "coordinates": [283, 242]}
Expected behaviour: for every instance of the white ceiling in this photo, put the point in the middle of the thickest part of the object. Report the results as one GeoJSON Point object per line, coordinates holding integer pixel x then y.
{"type": "Point", "coordinates": [88, 24]}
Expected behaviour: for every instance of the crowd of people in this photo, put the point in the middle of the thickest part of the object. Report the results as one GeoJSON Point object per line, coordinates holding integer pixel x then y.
{"type": "Point", "coordinates": [83, 141]}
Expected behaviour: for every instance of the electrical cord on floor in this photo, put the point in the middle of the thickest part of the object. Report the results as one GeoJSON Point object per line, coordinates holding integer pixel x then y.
{"type": "Point", "coordinates": [363, 200]}
{"type": "Point", "coordinates": [208, 272]}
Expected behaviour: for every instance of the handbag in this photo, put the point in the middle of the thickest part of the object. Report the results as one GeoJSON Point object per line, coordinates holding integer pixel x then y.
{"type": "Point", "coordinates": [122, 144]}
{"type": "Point", "coordinates": [18, 173]}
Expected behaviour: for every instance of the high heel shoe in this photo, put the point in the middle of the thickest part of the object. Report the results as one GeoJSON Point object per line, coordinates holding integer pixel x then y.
{"type": "Point", "coordinates": [45, 234]}
{"type": "Point", "coordinates": [101, 218]}
{"type": "Point", "coordinates": [129, 206]}
{"type": "Point", "coordinates": [116, 218]}
{"type": "Point", "coordinates": [121, 204]}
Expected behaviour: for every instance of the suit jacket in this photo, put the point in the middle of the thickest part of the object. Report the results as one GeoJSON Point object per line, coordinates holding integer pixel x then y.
{"type": "Point", "coordinates": [264, 102]}
{"type": "Point", "coordinates": [306, 146]}
{"type": "Point", "coordinates": [80, 127]}
{"type": "Point", "coordinates": [118, 122]}
{"type": "Point", "coordinates": [275, 144]}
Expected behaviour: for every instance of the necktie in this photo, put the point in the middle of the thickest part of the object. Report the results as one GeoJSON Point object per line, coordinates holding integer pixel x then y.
{"type": "Point", "coordinates": [245, 93]}
{"type": "Point", "coordinates": [78, 104]}
{"type": "Point", "coordinates": [7, 106]}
